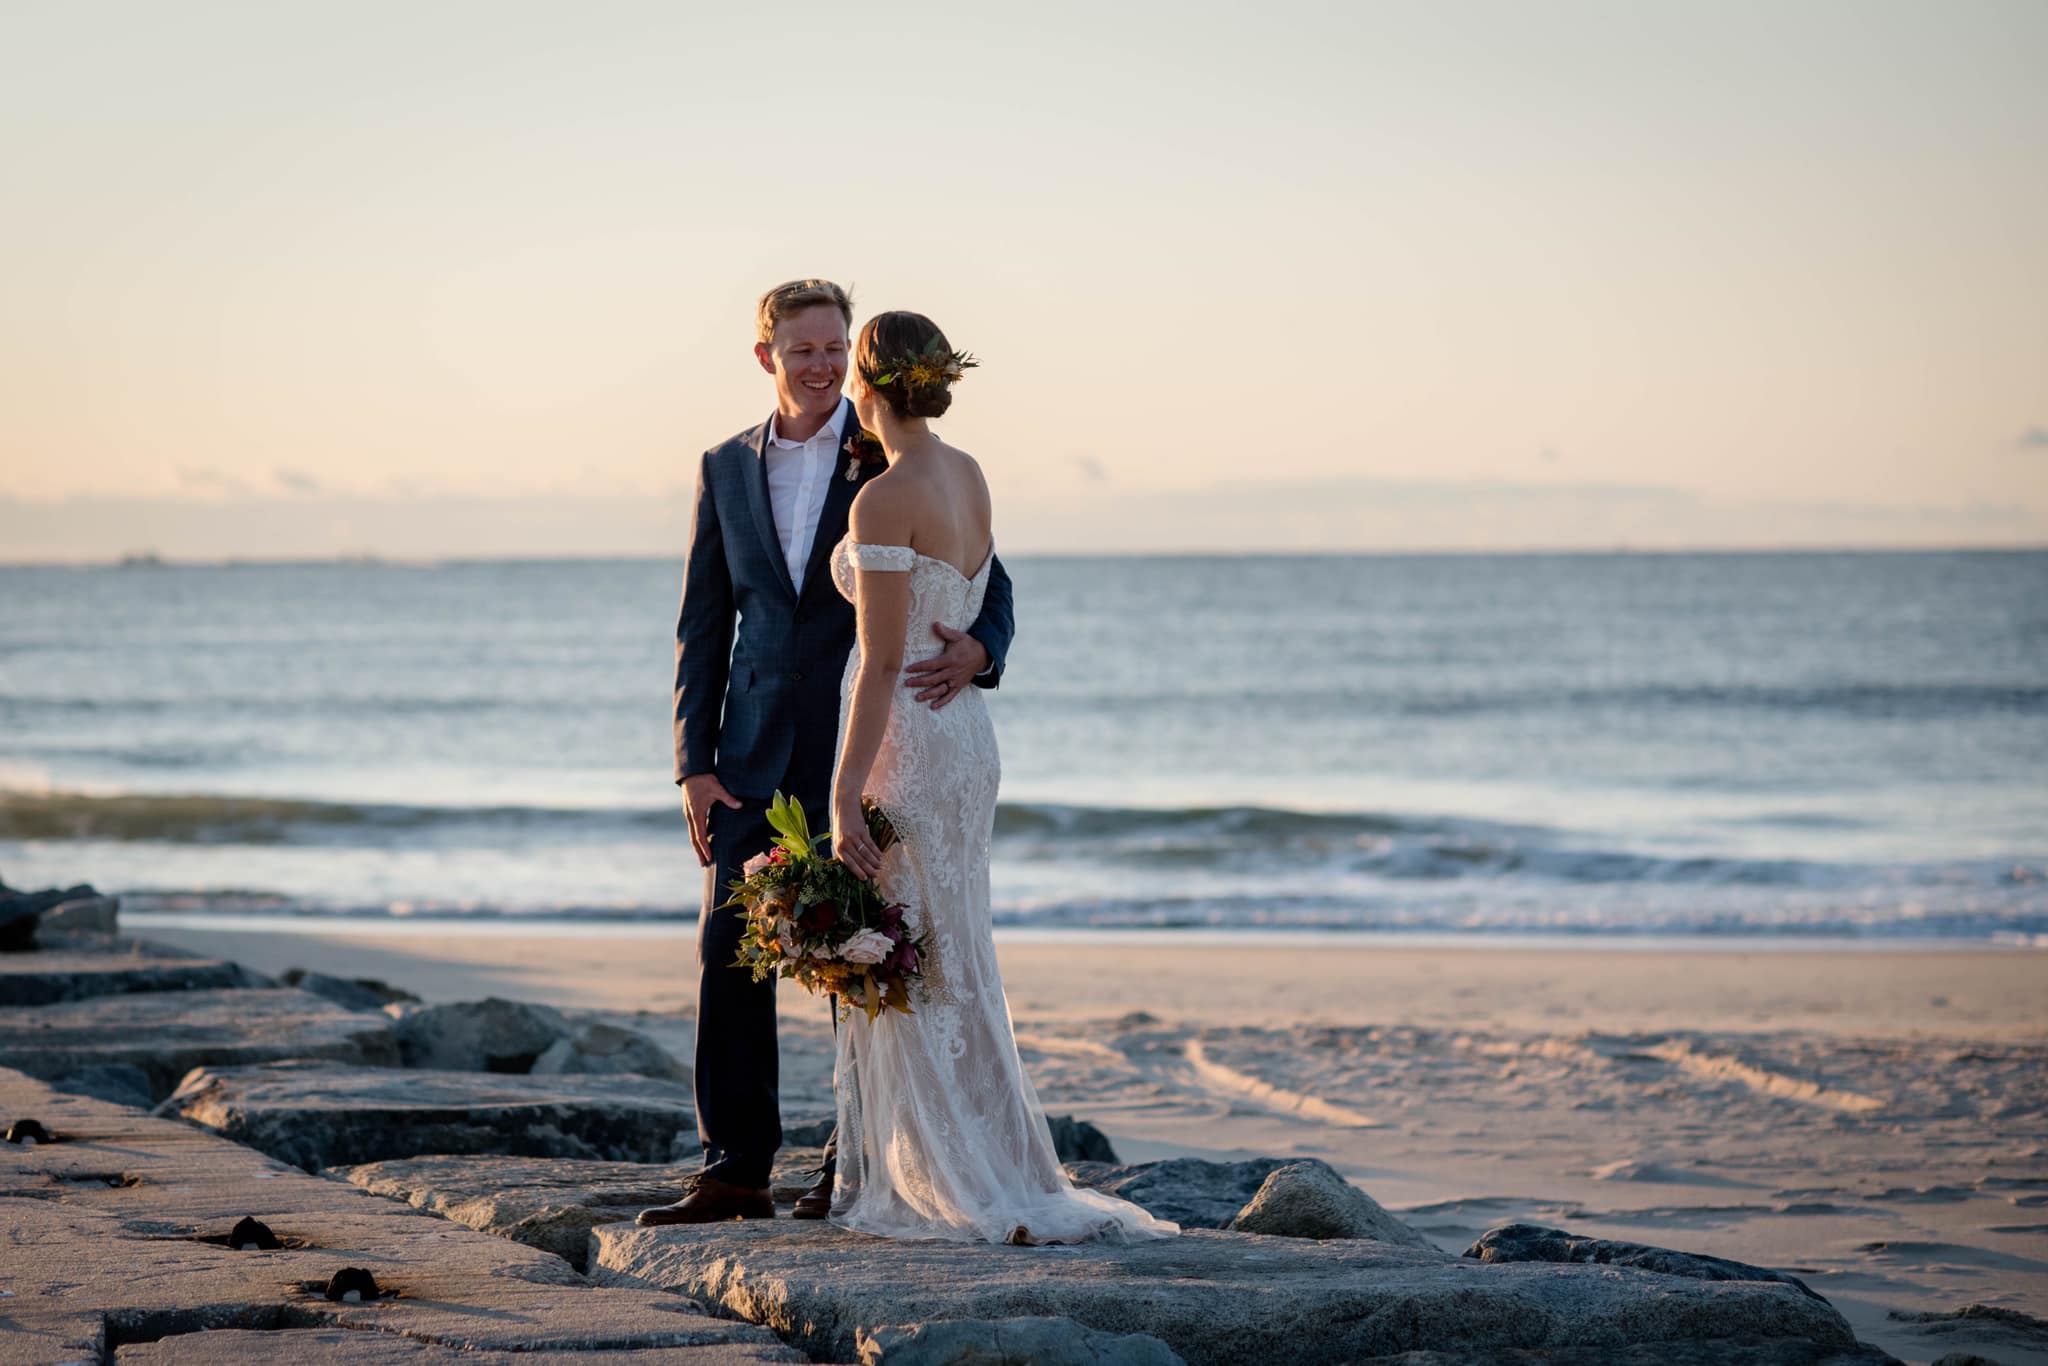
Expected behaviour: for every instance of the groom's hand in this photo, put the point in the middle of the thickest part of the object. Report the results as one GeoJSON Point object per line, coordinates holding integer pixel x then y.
{"type": "Point", "coordinates": [940, 678]}
{"type": "Point", "coordinates": [700, 791]}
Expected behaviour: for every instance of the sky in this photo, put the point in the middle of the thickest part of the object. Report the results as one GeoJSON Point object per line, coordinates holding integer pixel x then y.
{"type": "Point", "coordinates": [457, 279]}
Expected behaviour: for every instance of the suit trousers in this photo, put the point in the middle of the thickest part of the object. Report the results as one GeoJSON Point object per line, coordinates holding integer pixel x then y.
{"type": "Point", "coordinates": [739, 1115]}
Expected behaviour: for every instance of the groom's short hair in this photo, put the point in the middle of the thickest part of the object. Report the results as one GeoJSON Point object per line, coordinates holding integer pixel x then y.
{"type": "Point", "coordinates": [792, 297]}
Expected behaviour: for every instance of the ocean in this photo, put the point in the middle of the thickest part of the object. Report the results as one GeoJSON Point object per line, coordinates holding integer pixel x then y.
{"type": "Point", "coordinates": [1781, 745]}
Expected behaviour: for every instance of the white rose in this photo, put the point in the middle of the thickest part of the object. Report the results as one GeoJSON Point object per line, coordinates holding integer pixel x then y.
{"type": "Point", "coordinates": [869, 946]}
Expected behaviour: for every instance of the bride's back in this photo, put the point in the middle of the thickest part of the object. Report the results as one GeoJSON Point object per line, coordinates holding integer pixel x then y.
{"type": "Point", "coordinates": [947, 501]}
{"type": "Point", "coordinates": [933, 497]}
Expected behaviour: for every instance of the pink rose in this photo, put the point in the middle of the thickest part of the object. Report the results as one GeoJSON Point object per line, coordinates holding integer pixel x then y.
{"type": "Point", "coordinates": [869, 946]}
{"type": "Point", "coordinates": [754, 865]}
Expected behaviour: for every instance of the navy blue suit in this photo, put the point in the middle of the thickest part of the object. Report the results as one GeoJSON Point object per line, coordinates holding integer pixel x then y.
{"type": "Point", "coordinates": [758, 663]}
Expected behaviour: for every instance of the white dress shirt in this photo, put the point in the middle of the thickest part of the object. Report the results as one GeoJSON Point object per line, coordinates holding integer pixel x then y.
{"type": "Point", "coordinates": [799, 473]}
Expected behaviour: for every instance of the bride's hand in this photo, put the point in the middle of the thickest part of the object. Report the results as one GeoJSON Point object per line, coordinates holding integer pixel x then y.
{"type": "Point", "coordinates": [851, 843]}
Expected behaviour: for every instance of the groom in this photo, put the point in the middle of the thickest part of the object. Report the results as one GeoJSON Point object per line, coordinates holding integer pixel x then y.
{"type": "Point", "coordinates": [760, 645]}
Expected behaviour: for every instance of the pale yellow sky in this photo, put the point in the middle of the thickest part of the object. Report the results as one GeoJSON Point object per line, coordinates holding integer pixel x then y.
{"type": "Point", "coordinates": [320, 277]}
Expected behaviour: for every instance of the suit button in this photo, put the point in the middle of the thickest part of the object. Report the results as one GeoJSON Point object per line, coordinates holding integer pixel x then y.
{"type": "Point", "coordinates": [797, 677]}
{"type": "Point", "coordinates": [802, 617]}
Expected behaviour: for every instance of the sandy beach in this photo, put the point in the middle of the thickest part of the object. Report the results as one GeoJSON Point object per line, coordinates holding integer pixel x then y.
{"type": "Point", "coordinates": [1875, 1121]}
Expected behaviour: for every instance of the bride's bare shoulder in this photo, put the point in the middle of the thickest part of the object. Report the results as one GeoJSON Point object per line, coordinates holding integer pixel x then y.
{"type": "Point", "coordinates": [885, 510]}
{"type": "Point", "coordinates": [976, 479]}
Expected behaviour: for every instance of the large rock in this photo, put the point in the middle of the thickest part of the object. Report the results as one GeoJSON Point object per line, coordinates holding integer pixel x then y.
{"type": "Point", "coordinates": [20, 910]}
{"type": "Point", "coordinates": [491, 1035]}
{"type": "Point", "coordinates": [117, 1082]}
{"type": "Point", "coordinates": [168, 1033]}
{"type": "Point", "coordinates": [552, 1203]}
{"type": "Point", "coordinates": [598, 1048]}
{"type": "Point", "coordinates": [809, 1131]}
{"type": "Point", "coordinates": [1310, 1200]}
{"type": "Point", "coordinates": [350, 993]}
{"type": "Point", "coordinates": [323, 1346]}
{"type": "Point", "coordinates": [1076, 1140]}
{"type": "Point", "coordinates": [1710, 1352]}
{"type": "Point", "coordinates": [117, 1238]}
{"type": "Point", "coordinates": [318, 1115]}
{"type": "Point", "coordinates": [1189, 1191]}
{"type": "Point", "coordinates": [99, 915]}
{"type": "Point", "coordinates": [1010, 1342]}
{"type": "Point", "coordinates": [79, 967]}
{"type": "Point", "coordinates": [1211, 1296]}
{"type": "Point", "coordinates": [1534, 1243]}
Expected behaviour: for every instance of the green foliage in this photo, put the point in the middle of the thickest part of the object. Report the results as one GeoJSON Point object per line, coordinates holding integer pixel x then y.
{"type": "Point", "coordinates": [934, 365]}
{"type": "Point", "coordinates": [786, 818]}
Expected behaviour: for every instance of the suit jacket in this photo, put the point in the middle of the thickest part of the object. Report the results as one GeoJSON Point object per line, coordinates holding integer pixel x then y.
{"type": "Point", "coordinates": [758, 658]}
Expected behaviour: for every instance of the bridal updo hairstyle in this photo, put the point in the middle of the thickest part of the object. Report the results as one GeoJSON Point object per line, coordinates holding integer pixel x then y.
{"type": "Point", "coordinates": [890, 348]}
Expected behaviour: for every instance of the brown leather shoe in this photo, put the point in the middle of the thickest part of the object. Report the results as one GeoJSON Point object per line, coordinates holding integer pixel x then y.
{"type": "Point", "coordinates": [815, 1203]}
{"type": "Point", "coordinates": [712, 1202]}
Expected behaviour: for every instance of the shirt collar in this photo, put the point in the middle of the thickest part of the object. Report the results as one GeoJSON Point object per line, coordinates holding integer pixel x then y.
{"type": "Point", "coordinates": [836, 426]}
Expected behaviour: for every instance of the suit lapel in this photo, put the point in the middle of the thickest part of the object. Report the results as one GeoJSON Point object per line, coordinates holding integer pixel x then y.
{"type": "Point", "coordinates": [764, 508]}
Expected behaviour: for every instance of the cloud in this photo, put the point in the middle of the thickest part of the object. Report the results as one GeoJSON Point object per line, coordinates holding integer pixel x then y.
{"type": "Point", "coordinates": [296, 481]}
{"type": "Point", "coordinates": [206, 479]}
{"type": "Point", "coordinates": [2033, 438]}
{"type": "Point", "coordinates": [1894, 517]}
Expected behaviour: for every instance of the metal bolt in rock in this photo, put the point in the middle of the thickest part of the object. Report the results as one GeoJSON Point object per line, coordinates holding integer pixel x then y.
{"type": "Point", "coordinates": [352, 1285]}
{"type": "Point", "coordinates": [253, 1235]}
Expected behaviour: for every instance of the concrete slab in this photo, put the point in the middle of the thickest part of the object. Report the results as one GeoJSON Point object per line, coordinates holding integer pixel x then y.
{"type": "Point", "coordinates": [109, 1225]}
{"type": "Point", "coordinates": [552, 1203]}
{"type": "Point", "coordinates": [74, 968]}
{"type": "Point", "coordinates": [1212, 1296]}
{"type": "Point", "coordinates": [168, 1033]}
{"type": "Point", "coordinates": [255, 1348]}
{"type": "Point", "coordinates": [319, 1115]}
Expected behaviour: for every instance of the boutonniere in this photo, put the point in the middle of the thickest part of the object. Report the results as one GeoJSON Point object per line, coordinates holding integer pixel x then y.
{"type": "Point", "coordinates": [862, 448]}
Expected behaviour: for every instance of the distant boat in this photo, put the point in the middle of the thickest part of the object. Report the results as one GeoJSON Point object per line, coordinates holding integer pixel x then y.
{"type": "Point", "coordinates": [145, 559]}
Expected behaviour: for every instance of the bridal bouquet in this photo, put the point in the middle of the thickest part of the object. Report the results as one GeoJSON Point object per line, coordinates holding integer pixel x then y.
{"type": "Point", "coordinates": [812, 918]}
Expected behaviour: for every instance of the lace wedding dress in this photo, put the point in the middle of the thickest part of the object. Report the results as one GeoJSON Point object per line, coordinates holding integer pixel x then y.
{"type": "Point", "coordinates": [940, 1131]}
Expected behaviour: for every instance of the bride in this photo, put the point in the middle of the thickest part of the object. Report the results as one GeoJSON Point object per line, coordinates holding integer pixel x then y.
{"type": "Point", "coordinates": [940, 1131]}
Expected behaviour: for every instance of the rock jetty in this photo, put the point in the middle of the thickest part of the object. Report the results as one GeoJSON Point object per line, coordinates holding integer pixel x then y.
{"type": "Point", "coordinates": [119, 1239]}
{"type": "Point", "coordinates": [1214, 1296]}
{"type": "Point", "coordinates": [315, 1114]}
{"type": "Point", "coordinates": [170, 1117]}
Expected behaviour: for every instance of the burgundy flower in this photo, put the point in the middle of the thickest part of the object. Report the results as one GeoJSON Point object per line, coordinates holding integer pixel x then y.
{"type": "Point", "coordinates": [818, 917]}
{"type": "Point", "coordinates": [862, 448]}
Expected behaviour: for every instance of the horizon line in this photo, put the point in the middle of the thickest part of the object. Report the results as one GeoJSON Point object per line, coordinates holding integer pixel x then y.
{"type": "Point", "coordinates": [140, 560]}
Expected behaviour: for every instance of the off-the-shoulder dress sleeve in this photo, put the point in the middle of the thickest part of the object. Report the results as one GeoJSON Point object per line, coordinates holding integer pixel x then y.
{"type": "Point", "coordinates": [898, 558]}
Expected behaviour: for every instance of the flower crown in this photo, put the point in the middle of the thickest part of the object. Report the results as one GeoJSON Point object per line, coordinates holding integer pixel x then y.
{"type": "Point", "coordinates": [934, 365]}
